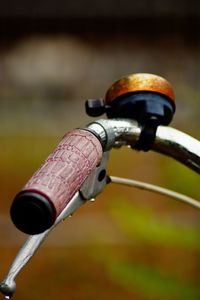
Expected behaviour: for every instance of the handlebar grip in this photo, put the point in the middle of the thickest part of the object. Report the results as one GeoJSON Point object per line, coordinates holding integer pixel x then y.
{"type": "Point", "coordinates": [46, 194]}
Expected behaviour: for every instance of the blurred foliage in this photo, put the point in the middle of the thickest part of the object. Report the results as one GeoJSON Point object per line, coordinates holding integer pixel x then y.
{"type": "Point", "coordinates": [188, 181]}
{"type": "Point", "coordinates": [151, 283]}
{"type": "Point", "coordinates": [150, 228]}
{"type": "Point", "coordinates": [146, 230]}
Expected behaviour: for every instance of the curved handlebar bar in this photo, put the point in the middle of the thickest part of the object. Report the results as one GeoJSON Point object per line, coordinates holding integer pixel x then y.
{"type": "Point", "coordinates": [47, 193]}
{"type": "Point", "coordinates": [168, 141]}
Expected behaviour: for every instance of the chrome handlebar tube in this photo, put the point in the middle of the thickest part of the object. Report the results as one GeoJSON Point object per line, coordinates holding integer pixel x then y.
{"type": "Point", "coordinates": [168, 141]}
{"type": "Point", "coordinates": [112, 133]}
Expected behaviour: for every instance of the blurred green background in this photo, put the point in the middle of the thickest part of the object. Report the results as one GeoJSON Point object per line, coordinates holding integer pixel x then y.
{"type": "Point", "coordinates": [128, 244]}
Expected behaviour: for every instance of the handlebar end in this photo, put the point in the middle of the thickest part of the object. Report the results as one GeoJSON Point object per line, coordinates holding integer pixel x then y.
{"type": "Point", "coordinates": [32, 213]}
{"type": "Point", "coordinates": [8, 289]}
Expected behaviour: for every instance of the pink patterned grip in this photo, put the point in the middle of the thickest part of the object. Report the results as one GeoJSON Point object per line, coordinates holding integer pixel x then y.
{"type": "Point", "coordinates": [62, 174]}
{"type": "Point", "coordinates": [66, 168]}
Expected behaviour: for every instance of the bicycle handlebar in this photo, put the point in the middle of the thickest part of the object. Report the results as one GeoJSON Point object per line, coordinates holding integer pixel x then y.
{"type": "Point", "coordinates": [106, 133]}
{"type": "Point", "coordinates": [46, 194]}
{"type": "Point", "coordinates": [76, 170]}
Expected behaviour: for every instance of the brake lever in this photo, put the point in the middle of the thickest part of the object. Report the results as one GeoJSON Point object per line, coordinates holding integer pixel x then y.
{"type": "Point", "coordinates": [92, 186]}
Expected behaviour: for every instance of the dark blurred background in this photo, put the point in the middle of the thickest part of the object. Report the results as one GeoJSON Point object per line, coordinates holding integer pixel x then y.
{"type": "Point", "coordinates": [129, 244]}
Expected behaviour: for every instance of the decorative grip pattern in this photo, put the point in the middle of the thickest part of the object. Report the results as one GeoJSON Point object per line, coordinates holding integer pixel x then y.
{"type": "Point", "coordinates": [65, 170]}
